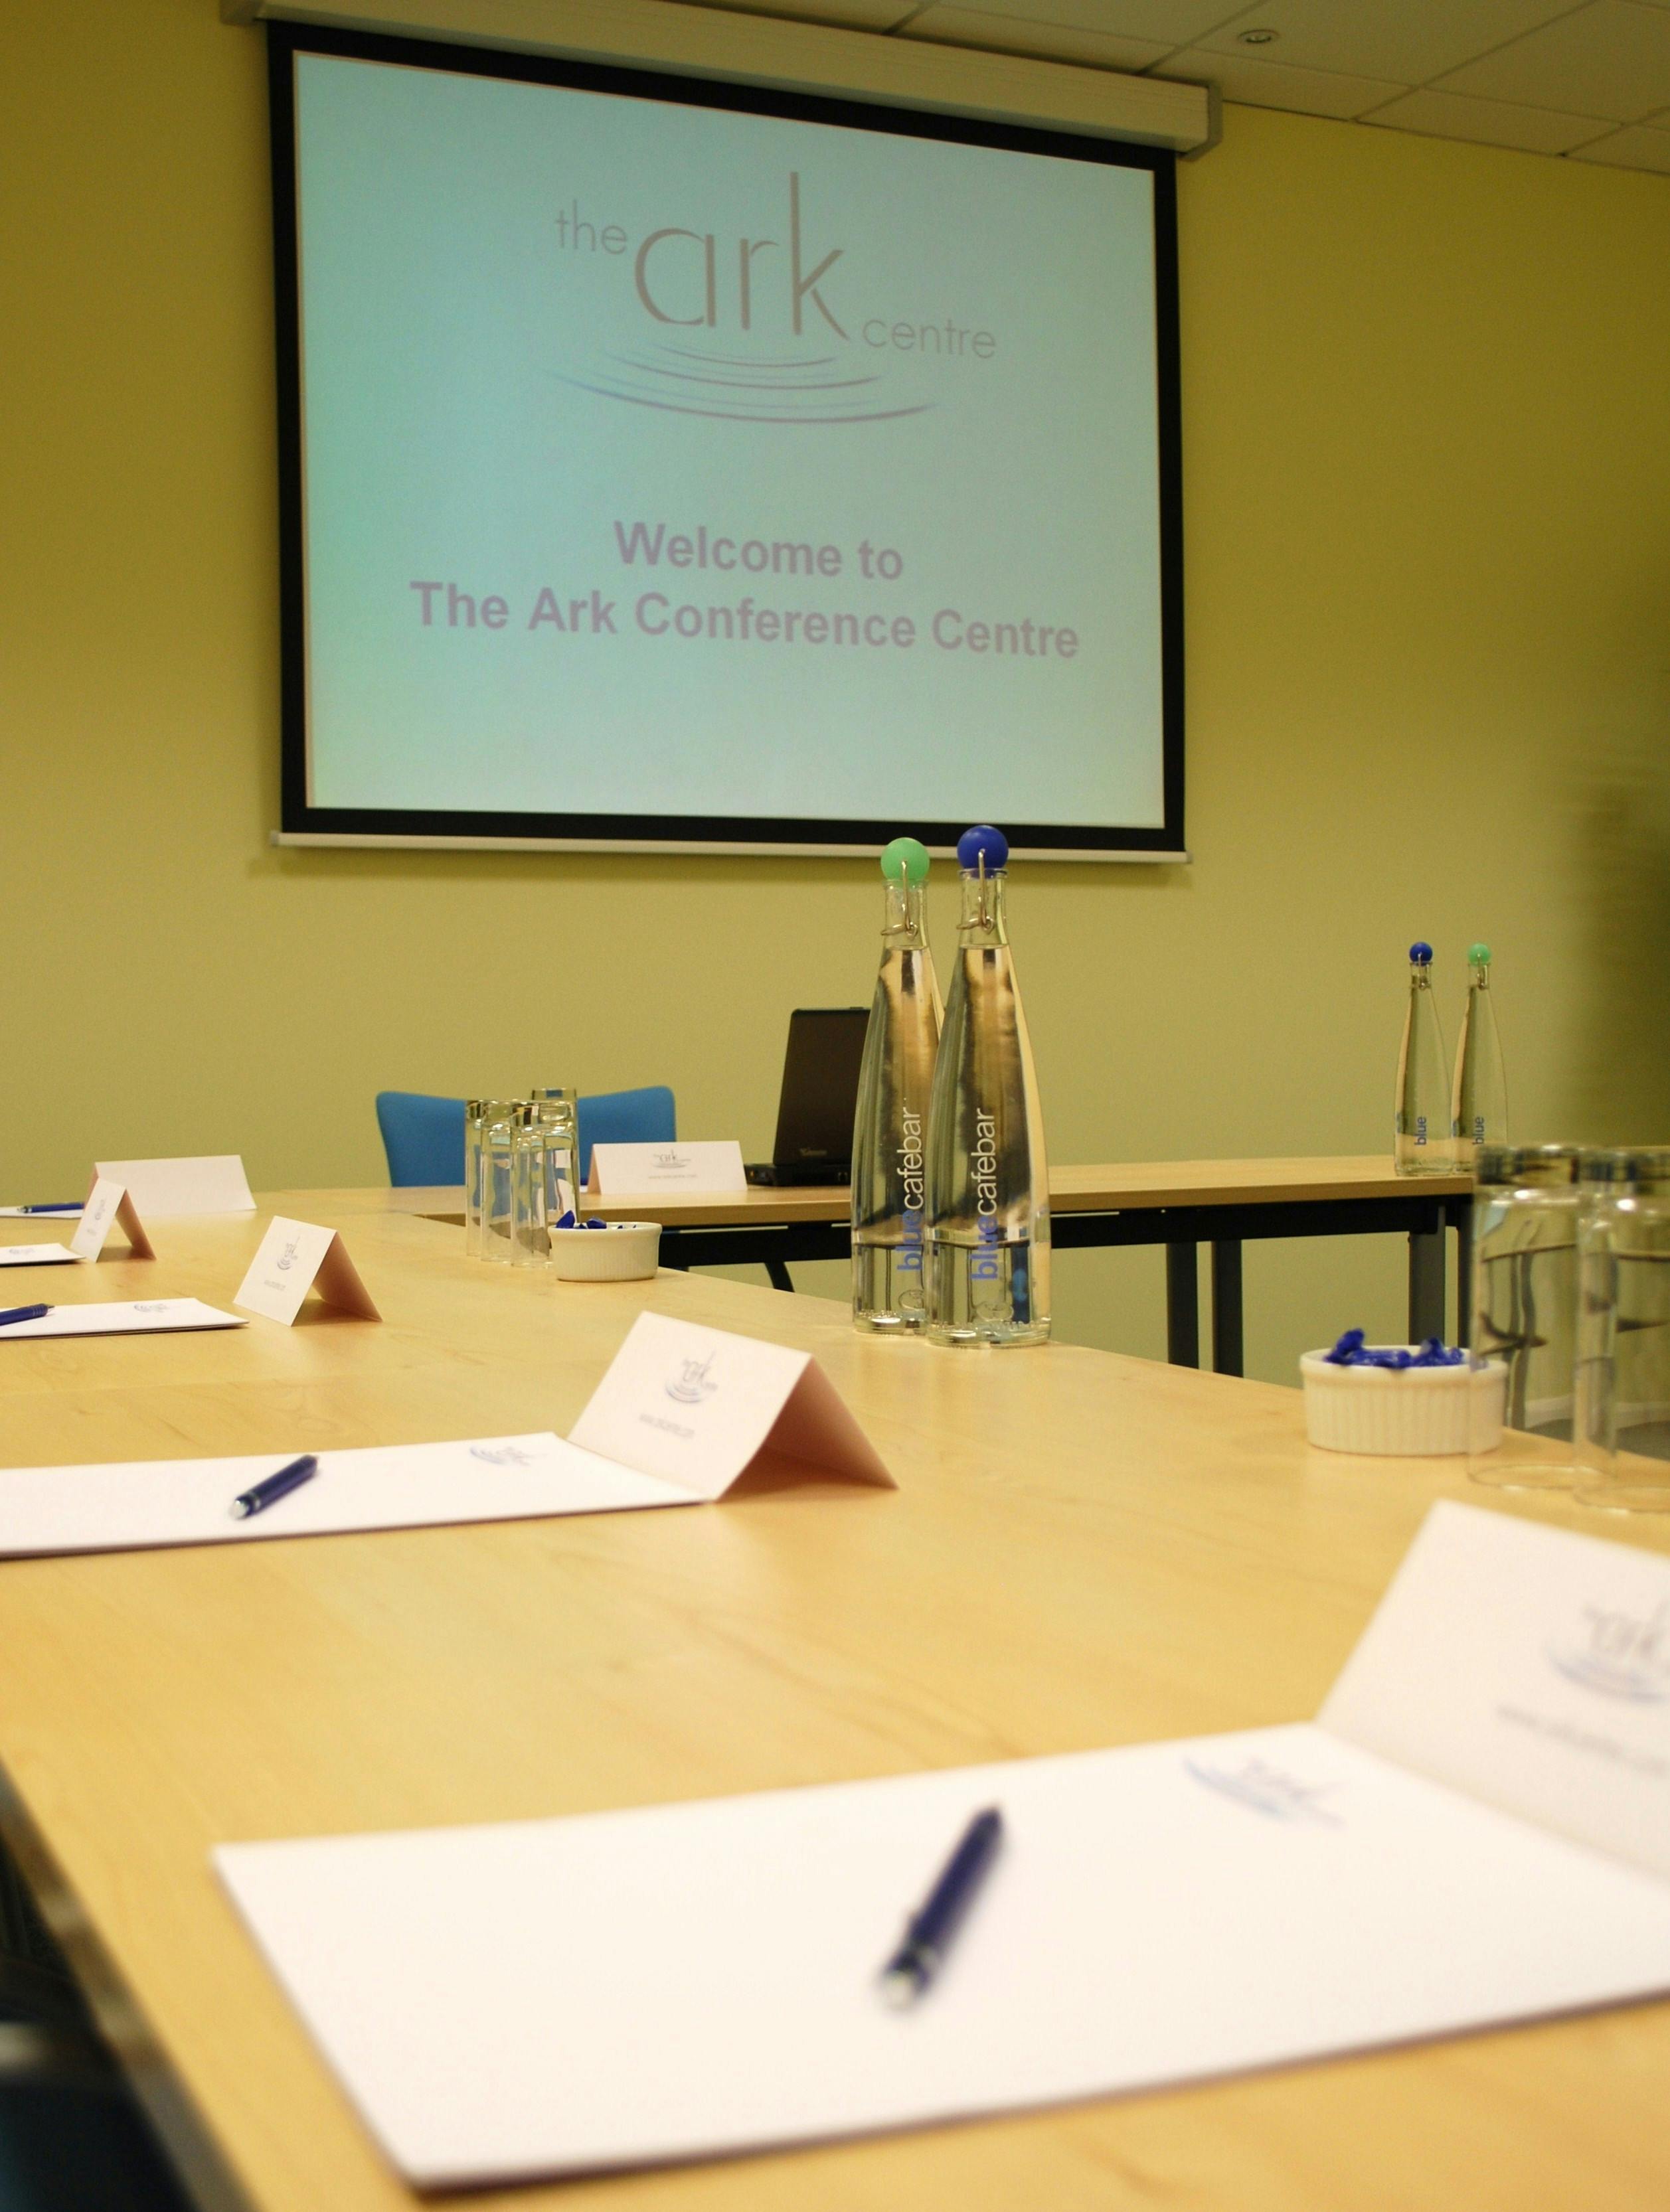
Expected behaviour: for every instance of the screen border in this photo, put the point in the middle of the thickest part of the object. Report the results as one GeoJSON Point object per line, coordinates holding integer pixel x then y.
{"type": "Point", "coordinates": [304, 823]}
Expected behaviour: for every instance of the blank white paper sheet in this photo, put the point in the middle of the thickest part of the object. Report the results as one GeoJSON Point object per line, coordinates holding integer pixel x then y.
{"type": "Point", "coordinates": [138, 1504]}
{"type": "Point", "coordinates": [621, 1989]}
{"type": "Point", "coordinates": [120, 1317]}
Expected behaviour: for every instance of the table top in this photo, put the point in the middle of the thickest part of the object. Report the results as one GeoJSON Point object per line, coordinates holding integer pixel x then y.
{"type": "Point", "coordinates": [1116, 1185]}
{"type": "Point", "coordinates": [1085, 1550]}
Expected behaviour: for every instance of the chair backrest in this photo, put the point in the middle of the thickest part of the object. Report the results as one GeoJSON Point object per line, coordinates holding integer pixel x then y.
{"type": "Point", "coordinates": [626, 1117]}
{"type": "Point", "coordinates": [423, 1137]}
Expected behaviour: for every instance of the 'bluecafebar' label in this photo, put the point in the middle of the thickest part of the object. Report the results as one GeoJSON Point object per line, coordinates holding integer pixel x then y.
{"type": "Point", "coordinates": [982, 1164]}
{"type": "Point", "coordinates": [909, 1176]}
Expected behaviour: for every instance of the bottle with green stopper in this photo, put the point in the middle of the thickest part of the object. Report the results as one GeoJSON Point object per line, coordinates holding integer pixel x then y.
{"type": "Point", "coordinates": [1421, 1142]}
{"type": "Point", "coordinates": [1478, 1110]}
{"type": "Point", "coordinates": [890, 1131]}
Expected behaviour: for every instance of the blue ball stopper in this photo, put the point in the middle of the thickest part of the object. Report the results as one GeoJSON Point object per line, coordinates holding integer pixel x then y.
{"type": "Point", "coordinates": [982, 842]}
{"type": "Point", "coordinates": [1421, 953]}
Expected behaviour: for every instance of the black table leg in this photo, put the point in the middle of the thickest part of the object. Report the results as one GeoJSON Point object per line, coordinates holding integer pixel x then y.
{"type": "Point", "coordinates": [1463, 1218]}
{"type": "Point", "coordinates": [1182, 1306]}
{"type": "Point", "coordinates": [778, 1271]}
{"type": "Point", "coordinates": [1426, 1285]}
{"type": "Point", "coordinates": [1227, 1358]}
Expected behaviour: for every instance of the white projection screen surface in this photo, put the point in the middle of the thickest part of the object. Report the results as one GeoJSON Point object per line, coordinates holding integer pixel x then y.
{"type": "Point", "coordinates": [672, 464]}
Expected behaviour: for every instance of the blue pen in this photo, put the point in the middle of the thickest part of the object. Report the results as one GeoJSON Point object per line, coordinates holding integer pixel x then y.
{"type": "Point", "coordinates": [263, 1494]}
{"type": "Point", "coordinates": [928, 1931]}
{"type": "Point", "coordinates": [57, 1205]}
{"type": "Point", "coordinates": [23, 1313]}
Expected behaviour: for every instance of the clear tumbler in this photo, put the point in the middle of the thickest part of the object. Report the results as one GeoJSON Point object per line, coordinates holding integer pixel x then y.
{"type": "Point", "coordinates": [533, 1146]}
{"type": "Point", "coordinates": [1624, 1371]}
{"type": "Point", "coordinates": [474, 1110]}
{"type": "Point", "coordinates": [1526, 1209]}
{"type": "Point", "coordinates": [559, 1114]}
{"type": "Point", "coordinates": [501, 1119]}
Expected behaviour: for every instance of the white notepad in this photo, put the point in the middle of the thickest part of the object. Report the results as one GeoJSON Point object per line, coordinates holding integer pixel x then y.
{"type": "Point", "coordinates": [38, 1255]}
{"type": "Point", "coordinates": [544, 1998]}
{"type": "Point", "coordinates": [122, 1317]}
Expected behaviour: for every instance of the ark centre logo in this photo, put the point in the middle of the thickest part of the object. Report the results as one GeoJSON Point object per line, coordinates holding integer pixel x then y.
{"type": "Point", "coordinates": [774, 328]}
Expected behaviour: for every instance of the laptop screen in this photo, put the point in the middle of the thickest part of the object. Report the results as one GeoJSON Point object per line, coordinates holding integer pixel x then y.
{"type": "Point", "coordinates": [820, 1085]}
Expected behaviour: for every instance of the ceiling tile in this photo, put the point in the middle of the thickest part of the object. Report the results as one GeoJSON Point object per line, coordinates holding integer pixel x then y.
{"type": "Point", "coordinates": [1010, 35]}
{"type": "Point", "coordinates": [1487, 122]}
{"type": "Point", "coordinates": [1407, 43]}
{"type": "Point", "coordinates": [849, 14]}
{"type": "Point", "coordinates": [1272, 84]}
{"type": "Point", "coordinates": [1635, 148]}
{"type": "Point", "coordinates": [1167, 23]}
{"type": "Point", "coordinates": [1611, 58]}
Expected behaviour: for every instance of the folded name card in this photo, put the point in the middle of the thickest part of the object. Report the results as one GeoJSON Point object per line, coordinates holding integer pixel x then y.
{"type": "Point", "coordinates": [702, 1978]}
{"type": "Point", "coordinates": [110, 1206]}
{"type": "Point", "coordinates": [125, 1317]}
{"type": "Point", "coordinates": [296, 1257]}
{"type": "Point", "coordinates": [215, 1184]}
{"type": "Point", "coordinates": [697, 1407]}
{"type": "Point", "coordinates": [691, 1170]}
{"type": "Point", "coordinates": [37, 1256]}
{"type": "Point", "coordinates": [728, 1396]}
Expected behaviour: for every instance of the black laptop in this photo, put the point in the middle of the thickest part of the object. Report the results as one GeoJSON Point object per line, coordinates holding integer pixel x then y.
{"type": "Point", "coordinates": [820, 1097]}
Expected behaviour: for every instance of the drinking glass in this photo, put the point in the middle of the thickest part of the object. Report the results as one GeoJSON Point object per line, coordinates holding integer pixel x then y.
{"type": "Point", "coordinates": [1526, 1209]}
{"type": "Point", "coordinates": [559, 1113]}
{"type": "Point", "coordinates": [501, 1119]}
{"type": "Point", "coordinates": [474, 1109]}
{"type": "Point", "coordinates": [1624, 1368]}
{"type": "Point", "coordinates": [533, 1144]}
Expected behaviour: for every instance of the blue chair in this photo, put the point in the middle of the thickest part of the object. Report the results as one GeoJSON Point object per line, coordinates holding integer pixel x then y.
{"type": "Point", "coordinates": [423, 1137]}
{"type": "Point", "coordinates": [626, 1117]}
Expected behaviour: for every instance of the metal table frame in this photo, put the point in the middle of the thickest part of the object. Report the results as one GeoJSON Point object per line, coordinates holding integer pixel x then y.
{"type": "Point", "coordinates": [1422, 1215]}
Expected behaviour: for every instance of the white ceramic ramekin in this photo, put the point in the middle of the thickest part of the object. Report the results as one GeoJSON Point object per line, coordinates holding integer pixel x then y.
{"type": "Point", "coordinates": [624, 1252]}
{"type": "Point", "coordinates": [1412, 1413]}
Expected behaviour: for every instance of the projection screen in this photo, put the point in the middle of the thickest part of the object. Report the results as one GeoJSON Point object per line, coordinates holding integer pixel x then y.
{"type": "Point", "coordinates": [674, 465]}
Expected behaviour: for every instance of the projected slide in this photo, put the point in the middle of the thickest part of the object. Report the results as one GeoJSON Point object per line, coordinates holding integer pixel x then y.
{"type": "Point", "coordinates": [666, 462]}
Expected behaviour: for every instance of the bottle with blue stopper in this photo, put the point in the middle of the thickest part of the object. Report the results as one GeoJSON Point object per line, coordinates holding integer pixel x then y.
{"type": "Point", "coordinates": [1421, 1141]}
{"type": "Point", "coordinates": [988, 1195]}
{"type": "Point", "coordinates": [890, 1130]}
{"type": "Point", "coordinates": [1479, 1111]}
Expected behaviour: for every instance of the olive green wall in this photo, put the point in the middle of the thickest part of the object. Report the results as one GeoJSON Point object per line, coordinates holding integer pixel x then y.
{"type": "Point", "coordinates": [1427, 451]}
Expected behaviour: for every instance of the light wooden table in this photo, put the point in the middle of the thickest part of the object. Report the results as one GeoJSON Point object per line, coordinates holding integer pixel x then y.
{"type": "Point", "coordinates": [1085, 1550]}
{"type": "Point", "coordinates": [1181, 1204]}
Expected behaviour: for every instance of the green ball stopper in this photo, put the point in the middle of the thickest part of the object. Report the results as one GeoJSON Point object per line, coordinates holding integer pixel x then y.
{"type": "Point", "coordinates": [1480, 955]}
{"type": "Point", "coordinates": [906, 861]}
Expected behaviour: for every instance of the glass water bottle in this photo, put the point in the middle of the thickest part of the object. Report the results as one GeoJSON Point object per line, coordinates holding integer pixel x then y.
{"type": "Point", "coordinates": [1421, 1142]}
{"type": "Point", "coordinates": [890, 1129]}
{"type": "Point", "coordinates": [988, 1190]}
{"type": "Point", "coordinates": [1479, 1111]}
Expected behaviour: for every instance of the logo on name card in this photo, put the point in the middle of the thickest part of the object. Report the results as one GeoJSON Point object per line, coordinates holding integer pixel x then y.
{"type": "Point", "coordinates": [501, 1455]}
{"type": "Point", "coordinates": [157, 1305]}
{"type": "Point", "coordinates": [692, 1383]}
{"type": "Point", "coordinates": [1618, 1654]}
{"type": "Point", "coordinates": [1268, 1789]}
{"type": "Point", "coordinates": [668, 1160]}
{"type": "Point", "coordinates": [287, 1260]}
